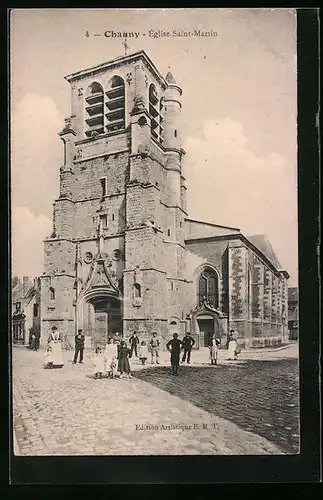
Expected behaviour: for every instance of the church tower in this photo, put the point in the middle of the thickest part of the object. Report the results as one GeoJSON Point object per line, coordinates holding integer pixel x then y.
{"type": "Point", "coordinates": [115, 260]}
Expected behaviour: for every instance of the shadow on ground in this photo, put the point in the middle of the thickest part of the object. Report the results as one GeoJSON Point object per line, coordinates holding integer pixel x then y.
{"type": "Point", "coordinates": [258, 396]}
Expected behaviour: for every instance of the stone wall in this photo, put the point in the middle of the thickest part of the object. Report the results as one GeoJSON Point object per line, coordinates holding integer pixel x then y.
{"type": "Point", "coordinates": [113, 167]}
{"type": "Point", "coordinates": [57, 311]}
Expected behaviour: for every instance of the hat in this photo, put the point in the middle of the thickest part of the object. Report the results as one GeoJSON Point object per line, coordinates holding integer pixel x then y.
{"type": "Point", "coordinates": [54, 328]}
{"type": "Point", "coordinates": [79, 330]}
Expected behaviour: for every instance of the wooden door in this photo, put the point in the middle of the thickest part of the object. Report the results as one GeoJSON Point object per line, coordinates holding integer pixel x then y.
{"type": "Point", "coordinates": [206, 331]}
{"type": "Point", "coordinates": [101, 328]}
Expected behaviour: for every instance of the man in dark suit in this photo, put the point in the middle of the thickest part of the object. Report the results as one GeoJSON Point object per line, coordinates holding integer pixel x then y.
{"type": "Point", "coordinates": [187, 343]}
{"type": "Point", "coordinates": [134, 342]}
{"type": "Point", "coordinates": [79, 346]}
{"type": "Point", "coordinates": [174, 347]}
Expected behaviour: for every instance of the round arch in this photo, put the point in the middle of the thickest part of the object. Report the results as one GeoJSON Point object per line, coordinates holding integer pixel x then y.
{"type": "Point", "coordinates": [94, 88]}
{"type": "Point", "coordinates": [94, 109]}
{"type": "Point", "coordinates": [99, 304]}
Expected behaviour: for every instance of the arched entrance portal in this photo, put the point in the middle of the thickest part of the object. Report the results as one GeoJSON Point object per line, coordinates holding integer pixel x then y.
{"type": "Point", "coordinates": [101, 319]}
{"type": "Point", "coordinates": [208, 325]}
{"type": "Point", "coordinates": [205, 320]}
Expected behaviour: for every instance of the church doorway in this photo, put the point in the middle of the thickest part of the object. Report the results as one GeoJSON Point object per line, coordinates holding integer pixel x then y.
{"type": "Point", "coordinates": [103, 320]}
{"type": "Point", "coordinates": [206, 327]}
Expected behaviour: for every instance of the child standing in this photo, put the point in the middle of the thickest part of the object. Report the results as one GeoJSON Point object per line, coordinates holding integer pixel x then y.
{"type": "Point", "coordinates": [49, 357]}
{"type": "Point", "coordinates": [143, 352]}
{"type": "Point", "coordinates": [123, 360]}
{"type": "Point", "coordinates": [110, 356]}
{"type": "Point", "coordinates": [98, 363]}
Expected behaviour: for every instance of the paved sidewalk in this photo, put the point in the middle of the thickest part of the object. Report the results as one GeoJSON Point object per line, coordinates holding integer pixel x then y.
{"type": "Point", "coordinates": [67, 412]}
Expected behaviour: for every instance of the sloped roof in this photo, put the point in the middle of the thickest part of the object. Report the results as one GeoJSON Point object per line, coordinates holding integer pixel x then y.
{"type": "Point", "coordinates": [19, 296]}
{"type": "Point", "coordinates": [262, 243]}
{"type": "Point", "coordinates": [293, 294]}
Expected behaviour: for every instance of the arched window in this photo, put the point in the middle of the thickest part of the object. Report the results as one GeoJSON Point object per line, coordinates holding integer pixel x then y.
{"type": "Point", "coordinates": [137, 291]}
{"type": "Point", "coordinates": [94, 110]}
{"type": "Point", "coordinates": [51, 293]}
{"type": "Point", "coordinates": [156, 109]}
{"type": "Point", "coordinates": [208, 288]}
{"type": "Point", "coordinates": [115, 104]}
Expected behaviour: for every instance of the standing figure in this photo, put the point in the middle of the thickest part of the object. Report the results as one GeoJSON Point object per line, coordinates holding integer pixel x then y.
{"type": "Point", "coordinates": [34, 344]}
{"type": "Point", "coordinates": [49, 357]}
{"type": "Point", "coordinates": [55, 342]}
{"type": "Point", "coordinates": [110, 356]}
{"type": "Point", "coordinates": [79, 346]}
{"type": "Point", "coordinates": [154, 348]}
{"type": "Point", "coordinates": [214, 345]}
{"type": "Point", "coordinates": [123, 363]}
{"type": "Point", "coordinates": [174, 346]}
{"type": "Point", "coordinates": [98, 363]}
{"type": "Point", "coordinates": [187, 344]}
{"type": "Point", "coordinates": [134, 342]}
{"type": "Point", "coordinates": [232, 345]}
{"type": "Point", "coordinates": [143, 352]}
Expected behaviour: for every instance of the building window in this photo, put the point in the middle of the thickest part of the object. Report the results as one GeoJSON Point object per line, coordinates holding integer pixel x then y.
{"type": "Point", "coordinates": [104, 221]}
{"type": "Point", "coordinates": [36, 310]}
{"type": "Point", "coordinates": [175, 133]}
{"type": "Point", "coordinates": [168, 232]}
{"type": "Point", "coordinates": [156, 111]}
{"type": "Point", "coordinates": [94, 110]}
{"type": "Point", "coordinates": [51, 293]}
{"type": "Point", "coordinates": [112, 216]}
{"type": "Point", "coordinates": [171, 286]}
{"type": "Point", "coordinates": [137, 291]}
{"type": "Point", "coordinates": [115, 105]}
{"type": "Point", "coordinates": [103, 181]}
{"type": "Point", "coordinates": [208, 288]}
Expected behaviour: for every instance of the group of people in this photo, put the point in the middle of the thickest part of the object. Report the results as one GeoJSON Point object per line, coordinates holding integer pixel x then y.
{"type": "Point", "coordinates": [114, 358]}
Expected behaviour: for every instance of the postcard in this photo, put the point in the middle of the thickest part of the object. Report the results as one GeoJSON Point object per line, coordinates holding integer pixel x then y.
{"type": "Point", "coordinates": [154, 232]}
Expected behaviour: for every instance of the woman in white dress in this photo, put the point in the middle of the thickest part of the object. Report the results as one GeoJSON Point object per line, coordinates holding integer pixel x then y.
{"type": "Point", "coordinates": [110, 357]}
{"type": "Point", "coordinates": [55, 342]}
{"type": "Point", "coordinates": [232, 345]}
{"type": "Point", "coordinates": [214, 344]}
{"type": "Point", "coordinates": [98, 363]}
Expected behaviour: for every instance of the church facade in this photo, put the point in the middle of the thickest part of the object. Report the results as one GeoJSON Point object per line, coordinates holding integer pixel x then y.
{"type": "Point", "coordinates": [124, 255]}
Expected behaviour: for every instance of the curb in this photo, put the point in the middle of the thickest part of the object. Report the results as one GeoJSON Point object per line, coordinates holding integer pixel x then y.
{"type": "Point", "coordinates": [266, 349]}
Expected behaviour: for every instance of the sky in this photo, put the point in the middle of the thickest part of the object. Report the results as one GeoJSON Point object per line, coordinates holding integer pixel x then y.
{"type": "Point", "coordinates": [239, 115]}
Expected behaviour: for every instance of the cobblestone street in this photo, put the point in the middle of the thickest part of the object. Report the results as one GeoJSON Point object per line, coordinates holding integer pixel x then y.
{"type": "Point", "coordinates": [67, 412]}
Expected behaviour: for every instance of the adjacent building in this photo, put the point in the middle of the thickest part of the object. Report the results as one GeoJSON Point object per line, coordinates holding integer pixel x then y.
{"type": "Point", "coordinates": [25, 309]}
{"type": "Point", "coordinates": [293, 313]}
{"type": "Point", "coordinates": [124, 255]}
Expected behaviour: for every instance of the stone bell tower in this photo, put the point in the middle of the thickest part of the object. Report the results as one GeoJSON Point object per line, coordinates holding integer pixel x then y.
{"type": "Point", "coordinates": [115, 262]}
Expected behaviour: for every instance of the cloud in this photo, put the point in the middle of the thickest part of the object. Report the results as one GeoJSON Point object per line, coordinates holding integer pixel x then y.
{"type": "Point", "coordinates": [230, 185]}
{"type": "Point", "coordinates": [28, 233]}
{"type": "Point", "coordinates": [36, 153]}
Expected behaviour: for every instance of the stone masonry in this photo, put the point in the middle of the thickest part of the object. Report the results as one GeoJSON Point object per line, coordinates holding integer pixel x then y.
{"type": "Point", "coordinates": [121, 257]}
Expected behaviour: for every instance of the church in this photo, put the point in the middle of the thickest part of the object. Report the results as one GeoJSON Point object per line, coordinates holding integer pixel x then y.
{"type": "Point", "coordinates": [124, 255]}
